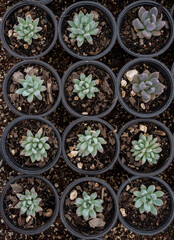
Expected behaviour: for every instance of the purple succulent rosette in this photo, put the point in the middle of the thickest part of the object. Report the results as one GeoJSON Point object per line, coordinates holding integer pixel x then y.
{"type": "Point", "coordinates": [147, 85]}
{"type": "Point", "coordinates": [148, 24]}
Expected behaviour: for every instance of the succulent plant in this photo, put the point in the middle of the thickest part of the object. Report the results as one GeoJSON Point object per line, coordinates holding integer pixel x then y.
{"type": "Point", "coordinates": [146, 199]}
{"type": "Point", "coordinates": [148, 24]}
{"type": "Point", "coordinates": [147, 85]}
{"type": "Point", "coordinates": [29, 203]}
{"type": "Point", "coordinates": [85, 86]}
{"type": "Point", "coordinates": [88, 206]}
{"type": "Point", "coordinates": [83, 27]}
{"type": "Point", "coordinates": [146, 149]}
{"type": "Point", "coordinates": [35, 146]}
{"type": "Point", "coordinates": [90, 143]}
{"type": "Point", "coordinates": [27, 29]}
{"type": "Point", "coordinates": [32, 86]}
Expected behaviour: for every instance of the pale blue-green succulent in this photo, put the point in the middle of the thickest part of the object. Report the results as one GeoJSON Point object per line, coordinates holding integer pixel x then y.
{"type": "Point", "coordinates": [88, 206]}
{"type": "Point", "coordinates": [27, 29]}
{"type": "Point", "coordinates": [83, 27]}
{"type": "Point", "coordinates": [85, 86]}
{"type": "Point", "coordinates": [146, 199]}
{"type": "Point", "coordinates": [32, 86]}
{"type": "Point", "coordinates": [90, 143]}
{"type": "Point", "coordinates": [147, 85]}
{"type": "Point", "coordinates": [29, 203]}
{"type": "Point", "coordinates": [148, 24]}
{"type": "Point", "coordinates": [146, 148]}
{"type": "Point", "coordinates": [35, 146]}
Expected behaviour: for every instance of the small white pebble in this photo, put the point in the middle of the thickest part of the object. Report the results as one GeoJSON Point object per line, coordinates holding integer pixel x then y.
{"type": "Point", "coordinates": [73, 195]}
{"type": "Point", "coordinates": [130, 74]}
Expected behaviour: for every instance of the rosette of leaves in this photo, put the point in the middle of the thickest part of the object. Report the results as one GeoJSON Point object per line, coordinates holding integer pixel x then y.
{"type": "Point", "coordinates": [31, 86]}
{"type": "Point", "coordinates": [35, 146]}
{"type": "Point", "coordinates": [29, 203]}
{"type": "Point", "coordinates": [90, 143]}
{"type": "Point", "coordinates": [27, 29]}
{"type": "Point", "coordinates": [146, 199]}
{"type": "Point", "coordinates": [148, 24]}
{"type": "Point", "coordinates": [147, 85]}
{"type": "Point", "coordinates": [83, 27]}
{"type": "Point", "coordinates": [85, 86]}
{"type": "Point", "coordinates": [88, 205]}
{"type": "Point", "coordinates": [146, 148]}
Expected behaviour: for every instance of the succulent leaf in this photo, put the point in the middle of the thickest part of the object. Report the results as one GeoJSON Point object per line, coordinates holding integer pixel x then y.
{"type": "Point", "coordinates": [90, 143]}
{"type": "Point", "coordinates": [146, 199]}
{"type": "Point", "coordinates": [148, 25]}
{"type": "Point", "coordinates": [27, 29]}
{"type": "Point", "coordinates": [147, 85]}
{"type": "Point", "coordinates": [35, 146]}
{"type": "Point", "coordinates": [32, 87]}
{"type": "Point", "coordinates": [82, 27]}
{"type": "Point", "coordinates": [88, 205]}
{"type": "Point", "coordinates": [146, 149]}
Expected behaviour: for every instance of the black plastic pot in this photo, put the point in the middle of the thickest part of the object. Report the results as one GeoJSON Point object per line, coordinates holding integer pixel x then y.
{"type": "Point", "coordinates": [171, 141]}
{"type": "Point", "coordinates": [93, 239]}
{"type": "Point", "coordinates": [43, 227]}
{"type": "Point", "coordinates": [144, 3]}
{"type": "Point", "coordinates": [68, 225]}
{"type": "Point", "coordinates": [6, 155]}
{"type": "Point", "coordinates": [16, 67]}
{"type": "Point", "coordinates": [76, 65]}
{"type": "Point", "coordinates": [88, 172]}
{"type": "Point", "coordinates": [89, 4]}
{"type": "Point", "coordinates": [172, 11]}
{"type": "Point", "coordinates": [172, 70]}
{"type": "Point", "coordinates": [40, 1]}
{"type": "Point", "coordinates": [166, 74]}
{"type": "Point", "coordinates": [142, 231]}
{"type": "Point", "coordinates": [13, 9]}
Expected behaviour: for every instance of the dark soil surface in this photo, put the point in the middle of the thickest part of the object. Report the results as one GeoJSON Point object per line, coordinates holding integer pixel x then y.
{"type": "Point", "coordinates": [103, 98]}
{"type": "Point", "coordinates": [38, 45]}
{"type": "Point", "coordinates": [49, 96]}
{"type": "Point", "coordinates": [61, 175]}
{"type": "Point", "coordinates": [100, 41]}
{"type": "Point", "coordinates": [11, 199]}
{"type": "Point", "coordinates": [17, 133]}
{"type": "Point", "coordinates": [143, 46]}
{"type": "Point", "coordinates": [145, 221]}
{"type": "Point", "coordinates": [134, 101]}
{"type": "Point", "coordinates": [89, 163]}
{"type": "Point", "coordinates": [88, 227]}
{"type": "Point", "coordinates": [132, 133]}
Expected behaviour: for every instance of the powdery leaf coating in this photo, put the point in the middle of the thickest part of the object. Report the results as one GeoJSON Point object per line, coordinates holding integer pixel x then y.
{"type": "Point", "coordinates": [88, 206]}
{"type": "Point", "coordinates": [27, 29]}
{"type": "Point", "coordinates": [29, 203]}
{"type": "Point", "coordinates": [146, 149]}
{"type": "Point", "coordinates": [148, 24]}
{"type": "Point", "coordinates": [35, 146]}
{"type": "Point", "coordinates": [146, 199]}
{"type": "Point", "coordinates": [85, 86]}
{"type": "Point", "coordinates": [32, 87]}
{"type": "Point", "coordinates": [83, 27]}
{"type": "Point", "coordinates": [90, 143]}
{"type": "Point", "coordinates": [147, 85]}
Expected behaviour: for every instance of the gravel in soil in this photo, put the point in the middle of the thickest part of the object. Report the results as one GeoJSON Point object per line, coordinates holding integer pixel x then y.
{"type": "Point", "coordinates": [19, 131]}
{"type": "Point", "coordinates": [38, 45]}
{"type": "Point", "coordinates": [89, 163]}
{"type": "Point", "coordinates": [47, 203]}
{"type": "Point", "coordinates": [49, 96]}
{"type": "Point", "coordinates": [142, 46]}
{"type": "Point", "coordinates": [145, 221]}
{"type": "Point", "coordinates": [133, 100]}
{"type": "Point", "coordinates": [132, 133]}
{"type": "Point", "coordinates": [100, 41]}
{"type": "Point", "coordinates": [103, 219]}
{"type": "Point", "coordinates": [61, 175]}
{"type": "Point", "coordinates": [103, 98]}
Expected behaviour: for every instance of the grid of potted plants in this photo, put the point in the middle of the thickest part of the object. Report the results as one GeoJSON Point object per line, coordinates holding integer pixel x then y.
{"type": "Point", "coordinates": [32, 89]}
